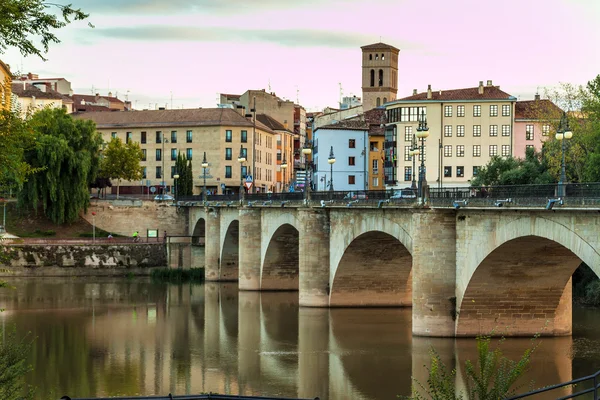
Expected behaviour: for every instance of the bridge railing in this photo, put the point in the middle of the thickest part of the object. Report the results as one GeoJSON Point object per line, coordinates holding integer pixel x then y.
{"type": "Point", "coordinates": [192, 397]}
{"type": "Point", "coordinates": [593, 379]}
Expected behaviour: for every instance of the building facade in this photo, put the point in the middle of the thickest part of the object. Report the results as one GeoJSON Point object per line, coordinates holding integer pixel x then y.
{"type": "Point", "coordinates": [350, 143]}
{"type": "Point", "coordinates": [29, 98]}
{"type": "Point", "coordinates": [222, 133]}
{"type": "Point", "coordinates": [467, 127]}
{"type": "Point", "coordinates": [379, 74]}
{"type": "Point", "coordinates": [534, 121]}
{"type": "Point", "coordinates": [5, 87]}
{"type": "Point", "coordinates": [285, 152]}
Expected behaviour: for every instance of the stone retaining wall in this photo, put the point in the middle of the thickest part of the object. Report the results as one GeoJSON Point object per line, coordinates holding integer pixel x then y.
{"type": "Point", "coordinates": [82, 260]}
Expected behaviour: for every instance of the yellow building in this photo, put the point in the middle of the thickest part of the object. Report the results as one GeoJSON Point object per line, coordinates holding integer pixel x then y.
{"type": "Point", "coordinates": [5, 87]}
{"type": "Point", "coordinates": [467, 127]}
{"type": "Point", "coordinates": [285, 152]}
{"type": "Point", "coordinates": [220, 132]}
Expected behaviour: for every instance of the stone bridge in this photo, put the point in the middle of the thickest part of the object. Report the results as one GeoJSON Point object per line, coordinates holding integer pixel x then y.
{"type": "Point", "coordinates": [464, 272]}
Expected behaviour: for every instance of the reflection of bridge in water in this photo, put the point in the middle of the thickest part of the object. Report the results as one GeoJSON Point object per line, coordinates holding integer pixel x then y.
{"type": "Point", "coordinates": [214, 338]}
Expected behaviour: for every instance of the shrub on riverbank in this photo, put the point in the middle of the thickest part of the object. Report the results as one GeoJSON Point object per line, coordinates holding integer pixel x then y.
{"type": "Point", "coordinates": [178, 275]}
{"type": "Point", "coordinates": [586, 287]}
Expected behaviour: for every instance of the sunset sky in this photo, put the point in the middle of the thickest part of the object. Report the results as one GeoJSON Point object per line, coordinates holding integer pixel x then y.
{"type": "Point", "coordinates": [196, 49]}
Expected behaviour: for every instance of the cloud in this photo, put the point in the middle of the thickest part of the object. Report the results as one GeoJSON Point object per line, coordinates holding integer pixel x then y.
{"type": "Point", "coordinates": [201, 6]}
{"type": "Point", "coordinates": [287, 37]}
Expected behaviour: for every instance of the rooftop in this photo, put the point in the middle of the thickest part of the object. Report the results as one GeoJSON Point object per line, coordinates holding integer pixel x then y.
{"type": "Point", "coordinates": [28, 90]}
{"type": "Point", "coordinates": [537, 109]}
{"type": "Point", "coordinates": [271, 122]}
{"type": "Point", "coordinates": [167, 118]}
{"type": "Point", "coordinates": [489, 93]}
{"type": "Point", "coordinates": [379, 46]}
{"type": "Point", "coordinates": [348, 124]}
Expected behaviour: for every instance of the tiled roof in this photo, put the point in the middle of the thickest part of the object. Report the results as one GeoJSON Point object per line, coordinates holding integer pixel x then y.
{"type": "Point", "coordinates": [537, 109]}
{"type": "Point", "coordinates": [380, 45]}
{"type": "Point", "coordinates": [158, 118]}
{"type": "Point", "coordinates": [88, 98]}
{"type": "Point", "coordinates": [348, 124]}
{"type": "Point", "coordinates": [31, 91]}
{"type": "Point", "coordinates": [489, 93]}
{"type": "Point", "coordinates": [271, 122]}
{"type": "Point", "coordinates": [374, 119]}
{"type": "Point", "coordinates": [89, 108]}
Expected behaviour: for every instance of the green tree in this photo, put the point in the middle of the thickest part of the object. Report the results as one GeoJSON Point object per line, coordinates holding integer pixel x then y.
{"type": "Point", "coordinates": [122, 161]}
{"type": "Point", "coordinates": [492, 377]}
{"type": "Point", "coordinates": [514, 171]}
{"type": "Point", "coordinates": [67, 150]}
{"type": "Point", "coordinates": [184, 185]}
{"type": "Point", "coordinates": [20, 20]}
{"type": "Point", "coordinates": [15, 139]}
{"type": "Point", "coordinates": [14, 353]}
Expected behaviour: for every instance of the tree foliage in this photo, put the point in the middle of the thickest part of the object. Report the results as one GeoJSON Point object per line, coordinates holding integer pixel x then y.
{"type": "Point", "coordinates": [15, 139]}
{"type": "Point", "coordinates": [185, 183]}
{"type": "Point", "coordinates": [67, 149]}
{"type": "Point", "coordinates": [514, 171]}
{"type": "Point", "coordinates": [20, 20]}
{"type": "Point", "coordinates": [492, 377]}
{"type": "Point", "coordinates": [122, 161]}
{"type": "Point", "coordinates": [14, 353]}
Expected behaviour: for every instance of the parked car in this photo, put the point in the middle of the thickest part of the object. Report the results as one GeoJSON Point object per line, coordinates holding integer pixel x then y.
{"type": "Point", "coordinates": [404, 194]}
{"type": "Point", "coordinates": [163, 197]}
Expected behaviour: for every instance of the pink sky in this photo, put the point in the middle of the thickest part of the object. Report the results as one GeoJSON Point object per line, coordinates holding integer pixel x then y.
{"type": "Point", "coordinates": [198, 48]}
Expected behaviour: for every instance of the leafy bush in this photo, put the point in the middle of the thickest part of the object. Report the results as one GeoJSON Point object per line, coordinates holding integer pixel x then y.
{"type": "Point", "coordinates": [592, 293]}
{"type": "Point", "coordinates": [493, 377]}
{"type": "Point", "coordinates": [14, 367]}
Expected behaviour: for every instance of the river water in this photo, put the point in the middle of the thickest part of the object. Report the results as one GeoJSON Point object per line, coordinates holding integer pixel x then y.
{"type": "Point", "coordinates": [114, 337]}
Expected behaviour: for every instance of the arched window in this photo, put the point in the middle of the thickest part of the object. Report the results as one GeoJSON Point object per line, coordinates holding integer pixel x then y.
{"type": "Point", "coordinates": [382, 57]}
{"type": "Point", "coordinates": [372, 77]}
{"type": "Point", "coordinates": [377, 56]}
{"type": "Point", "coordinates": [384, 100]}
{"type": "Point", "coordinates": [370, 56]}
{"type": "Point", "coordinates": [380, 77]}
{"type": "Point", "coordinates": [378, 102]}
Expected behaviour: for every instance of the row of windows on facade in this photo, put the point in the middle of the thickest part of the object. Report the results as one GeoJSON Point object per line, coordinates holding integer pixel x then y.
{"type": "Point", "coordinates": [228, 155]}
{"type": "Point", "coordinates": [493, 131]}
{"type": "Point", "coordinates": [460, 151]}
{"type": "Point", "coordinates": [228, 172]}
{"type": "Point", "coordinates": [189, 137]}
{"type": "Point", "coordinates": [460, 172]}
{"type": "Point", "coordinates": [413, 114]}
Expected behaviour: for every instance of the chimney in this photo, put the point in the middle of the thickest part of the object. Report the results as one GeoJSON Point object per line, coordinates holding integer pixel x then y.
{"type": "Point", "coordinates": [414, 92]}
{"type": "Point", "coordinates": [429, 91]}
{"type": "Point", "coordinates": [110, 94]}
{"type": "Point", "coordinates": [489, 83]}
{"type": "Point", "coordinates": [537, 96]}
{"type": "Point", "coordinates": [480, 90]}
{"type": "Point", "coordinates": [285, 124]}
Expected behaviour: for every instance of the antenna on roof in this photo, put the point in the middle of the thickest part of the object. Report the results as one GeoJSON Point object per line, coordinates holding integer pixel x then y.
{"type": "Point", "coordinates": [127, 95]}
{"type": "Point", "coordinates": [269, 85]}
{"type": "Point", "coordinates": [171, 99]}
{"type": "Point", "coordinates": [93, 90]}
{"type": "Point", "coordinates": [297, 95]}
{"type": "Point", "coordinates": [340, 103]}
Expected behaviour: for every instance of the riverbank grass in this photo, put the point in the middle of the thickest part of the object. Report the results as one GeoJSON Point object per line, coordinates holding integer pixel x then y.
{"type": "Point", "coordinates": [178, 275]}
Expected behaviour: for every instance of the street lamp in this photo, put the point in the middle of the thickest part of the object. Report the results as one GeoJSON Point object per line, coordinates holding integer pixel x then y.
{"type": "Point", "coordinates": [563, 133]}
{"type": "Point", "coordinates": [422, 133]}
{"type": "Point", "coordinates": [307, 151]}
{"type": "Point", "coordinates": [164, 182]}
{"type": "Point", "coordinates": [204, 166]}
{"type": "Point", "coordinates": [331, 161]}
{"type": "Point", "coordinates": [241, 160]}
{"type": "Point", "coordinates": [414, 152]}
{"type": "Point", "coordinates": [176, 177]}
{"type": "Point", "coordinates": [284, 167]}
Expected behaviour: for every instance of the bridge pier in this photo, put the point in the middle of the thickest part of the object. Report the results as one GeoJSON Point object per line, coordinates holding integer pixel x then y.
{"type": "Point", "coordinates": [314, 257]}
{"type": "Point", "coordinates": [250, 233]}
{"type": "Point", "coordinates": [212, 245]}
{"type": "Point", "coordinates": [434, 273]}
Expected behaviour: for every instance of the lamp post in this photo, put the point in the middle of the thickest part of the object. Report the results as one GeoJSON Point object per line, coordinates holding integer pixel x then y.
{"type": "Point", "coordinates": [563, 133]}
{"type": "Point", "coordinates": [307, 151]}
{"type": "Point", "coordinates": [422, 133]}
{"type": "Point", "coordinates": [164, 182]}
{"type": "Point", "coordinates": [204, 166]}
{"type": "Point", "coordinates": [176, 177]}
{"type": "Point", "coordinates": [252, 115]}
{"type": "Point", "coordinates": [331, 161]}
{"type": "Point", "coordinates": [94, 227]}
{"type": "Point", "coordinates": [284, 167]}
{"type": "Point", "coordinates": [414, 151]}
{"type": "Point", "coordinates": [241, 160]}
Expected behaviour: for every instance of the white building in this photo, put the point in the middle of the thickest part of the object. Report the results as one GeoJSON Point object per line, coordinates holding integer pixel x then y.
{"type": "Point", "coordinates": [349, 140]}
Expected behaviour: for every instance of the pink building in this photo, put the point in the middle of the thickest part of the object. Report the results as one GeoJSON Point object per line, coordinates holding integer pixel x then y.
{"type": "Point", "coordinates": [533, 124]}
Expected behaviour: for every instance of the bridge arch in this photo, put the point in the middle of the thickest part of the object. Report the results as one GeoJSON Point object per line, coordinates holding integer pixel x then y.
{"type": "Point", "coordinates": [375, 270]}
{"type": "Point", "coordinates": [229, 260]}
{"type": "Point", "coordinates": [280, 253]}
{"type": "Point", "coordinates": [517, 281]}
